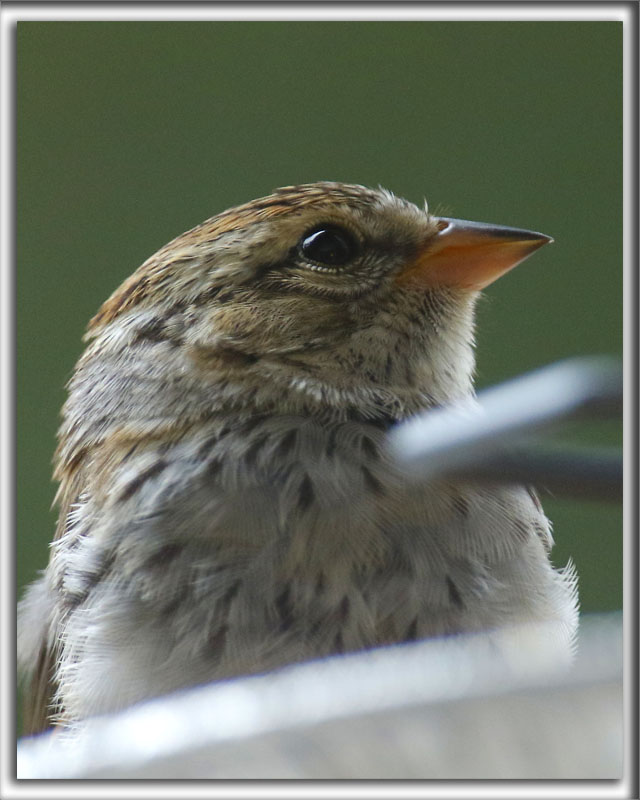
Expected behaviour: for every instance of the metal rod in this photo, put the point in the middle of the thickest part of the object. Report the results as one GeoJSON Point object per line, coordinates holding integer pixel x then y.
{"type": "Point", "coordinates": [476, 440]}
{"type": "Point", "coordinates": [591, 475]}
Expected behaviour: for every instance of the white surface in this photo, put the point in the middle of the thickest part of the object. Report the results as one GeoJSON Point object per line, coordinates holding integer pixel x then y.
{"type": "Point", "coordinates": [464, 707]}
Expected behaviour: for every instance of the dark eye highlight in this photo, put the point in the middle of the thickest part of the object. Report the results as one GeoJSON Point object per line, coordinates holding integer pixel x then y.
{"type": "Point", "coordinates": [328, 246]}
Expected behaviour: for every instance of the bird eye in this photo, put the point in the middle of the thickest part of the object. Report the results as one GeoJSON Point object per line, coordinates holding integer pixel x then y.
{"type": "Point", "coordinates": [328, 245]}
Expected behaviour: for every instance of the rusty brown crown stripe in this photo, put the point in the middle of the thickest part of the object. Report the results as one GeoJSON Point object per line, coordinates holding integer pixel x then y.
{"type": "Point", "coordinates": [146, 279]}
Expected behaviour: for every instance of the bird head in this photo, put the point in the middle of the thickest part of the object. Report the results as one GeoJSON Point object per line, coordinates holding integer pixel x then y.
{"type": "Point", "coordinates": [319, 295]}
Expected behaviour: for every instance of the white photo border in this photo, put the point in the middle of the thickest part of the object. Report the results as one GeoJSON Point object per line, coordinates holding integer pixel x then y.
{"type": "Point", "coordinates": [10, 14]}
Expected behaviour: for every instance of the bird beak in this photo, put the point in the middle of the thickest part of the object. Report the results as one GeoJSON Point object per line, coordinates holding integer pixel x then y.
{"type": "Point", "coordinates": [469, 255]}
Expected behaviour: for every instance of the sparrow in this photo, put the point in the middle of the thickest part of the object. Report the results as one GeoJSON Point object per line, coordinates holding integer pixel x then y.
{"type": "Point", "coordinates": [227, 501]}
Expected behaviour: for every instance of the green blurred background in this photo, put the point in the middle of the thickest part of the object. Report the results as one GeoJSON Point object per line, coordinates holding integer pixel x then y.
{"type": "Point", "coordinates": [130, 133]}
